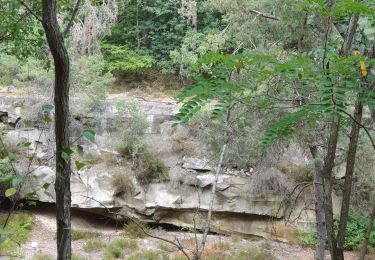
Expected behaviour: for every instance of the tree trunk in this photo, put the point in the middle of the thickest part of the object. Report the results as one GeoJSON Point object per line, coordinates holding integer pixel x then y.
{"type": "Point", "coordinates": [62, 183]}
{"type": "Point", "coordinates": [368, 233]}
{"type": "Point", "coordinates": [331, 153]}
{"type": "Point", "coordinates": [350, 162]}
{"type": "Point", "coordinates": [329, 162]}
{"type": "Point", "coordinates": [319, 206]}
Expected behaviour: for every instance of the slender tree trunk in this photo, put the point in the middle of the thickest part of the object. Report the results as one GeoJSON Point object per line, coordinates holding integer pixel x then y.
{"type": "Point", "coordinates": [219, 167]}
{"type": "Point", "coordinates": [331, 152]}
{"type": "Point", "coordinates": [350, 162]}
{"type": "Point", "coordinates": [329, 162]}
{"type": "Point", "coordinates": [368, 233]}
{"type": "Point", "coordinates": [319, 206]}
{"type": "Point", "coordinates": [62, 182]}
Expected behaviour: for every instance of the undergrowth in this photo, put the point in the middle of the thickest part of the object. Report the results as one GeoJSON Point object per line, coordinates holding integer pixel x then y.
{"type": "Point", "coordinates": [16, 232]}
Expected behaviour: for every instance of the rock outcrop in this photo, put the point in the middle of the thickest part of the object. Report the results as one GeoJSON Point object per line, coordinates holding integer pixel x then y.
{"type": "Point", "coordinates": [183, 199]}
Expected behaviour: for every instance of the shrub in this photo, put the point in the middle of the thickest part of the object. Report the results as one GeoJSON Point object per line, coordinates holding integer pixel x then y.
{"type": "Point", "coordinates": [164, 246]}
{"type": "Point", "coordinates": [181, 144]}
{"type": "Point", "coordinates": [121, 59]}
{"type": "Point", "coordinates": [116, 249]}
{"type": "Point", "coordinates": [8, 70]}
{"type": "Point", "coordinates": [84, 234]}
{"type": "Point", "coordinates": [78, 257]}
{"type": "Point", "coordinates": [122, 184]}
{"type": "Point", "coordinates": [145, 255]}
{"type": "Point", "coordinates": [150, 168]}
{"type": "Point", "coordinates": [299, 173]}
{"type": "Point", "coordinates": [133, 230]}
{"type": "Point", "coordinates": [356, 230]}
{"type": "Point", "coordinates": [89, 77]}
{"type": "Point", "coordinates": [93, 244]}
{"type": "Point", "coordinates": [41, 256]}
{"type": "Point", "coordinates": [306, 239]}
{"type": "Point", "coordinates": [16, 232]}
{"type": "Point", "coordinates": [253, 254]}
{"type": "Point", "coordinates": [133, 146]}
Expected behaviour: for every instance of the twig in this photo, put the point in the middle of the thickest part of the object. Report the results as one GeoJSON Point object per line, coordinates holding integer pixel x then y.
{"type": "Point", "coordinates": [177, 244]}
{"type": "Point", "coordinates": [28, 8]}
{"type": "Point", "coordinates": [264, 15]}
{"type": "Point", "coordinates": [71, 20]}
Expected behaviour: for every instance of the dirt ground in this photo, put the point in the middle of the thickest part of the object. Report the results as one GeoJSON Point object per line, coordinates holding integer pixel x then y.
{"type": "Point", "coordinates": [42, 240]}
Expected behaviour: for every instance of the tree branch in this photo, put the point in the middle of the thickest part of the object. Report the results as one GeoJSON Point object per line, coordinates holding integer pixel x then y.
{"type": "Point", "coordinates": [267, 16]}
{"type": "Point", "coordinates": [28, 8]}
{"type": "Point", "coordinates": [71, 20]}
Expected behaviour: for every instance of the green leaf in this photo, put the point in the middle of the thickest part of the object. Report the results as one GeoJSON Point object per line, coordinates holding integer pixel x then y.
{"type": "Point", "coordinates": [11, 156]}
{"type": "Point", "coordinates": [17, 181]}
{"type": "Point", "coordinates": [47, 108]}
{"type": "Point", "coordinates": [46, 185]}
{"type": "Point", "coordinates": [80, 150]}
{"type": "Point", "coordinates": [31, 203]}
{"type": "Point", "coordinates": [79, 165]}
{"type": "Point", "coordinates": [66, 154]}
{"type": "Point", "coordinates": [10, 192]}
{"type": "Point", "coordinates": [89, 135]}
{"type": "Point", "coordinates": [47, 120]}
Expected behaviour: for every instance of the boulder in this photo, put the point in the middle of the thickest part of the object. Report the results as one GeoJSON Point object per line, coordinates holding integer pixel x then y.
{"type": "Point", "coordinates": [192, 163]}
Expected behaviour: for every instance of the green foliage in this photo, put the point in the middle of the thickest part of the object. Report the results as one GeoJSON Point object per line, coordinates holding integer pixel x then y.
{"type": "Point", "coordinates": [89, 78]}
{"type": "Point", "coordinates": [15, 233]}
{"type": "Point", "coordinates": [356, 230]}
{"type": "Point", "coordinates": [93, 244]}
{"type": "Point", "coordinates": [135, 230]}
{"type": "Point", "coordinates": [253, 253]}
{"type": "Point", "coordinates": [121, 59]}
{"type": "Point", "coordinates": [195, 45]}
{"type": "Point", "coordinates": [307, 239]}
{"type": "Point", "coordinates": [145, 255]}
{"type": "Point", "coordinates": [28, 75]}
{"type": "Point", "coordinates": [146, 165]}
{"type": "Point", "coordinates": [117, 249]}
{"type": "Point", "coordinates": [122, 183]}
{"type": "Point", "coordinates": [84, 234]}
{"type": "Point", "coordinates": [42, 257]}
{"type": "Point", "coordinates": [299, 173]}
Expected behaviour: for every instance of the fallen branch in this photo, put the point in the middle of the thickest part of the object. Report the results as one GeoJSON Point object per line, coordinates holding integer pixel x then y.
{"type": "Point", "coordinates": [267, 16]}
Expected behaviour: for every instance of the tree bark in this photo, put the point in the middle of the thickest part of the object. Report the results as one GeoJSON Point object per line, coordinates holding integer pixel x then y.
{"type": "Point", "coordinates": [368, 233]}
{"type": "Point", "coordinates": [350, 162]}
{"type": "Point", "coordinates": [331, 153]}
{"type": "Point", "coordinates": [319, 206]}
{"type": "Point", "coordinates": [62, 183]}
{"type": "Point", "coordinates": [329, 162]}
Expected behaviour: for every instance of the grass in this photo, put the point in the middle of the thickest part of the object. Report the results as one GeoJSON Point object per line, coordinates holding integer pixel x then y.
{"type": "Point", "coordinates": [84, 234]}
{"type": "Point", "coordinates": [116, 249]}
{"type": "Point", "coordinates": [16, 232]}
{"type": "Point", "coordinates": [41, 256]}
{"type": "Point", "coordinates": [93, 244]}
{"type": "Point", "coordinates": [164, 246]}
{"type": "Point", "coordinates": [253, 254]}
{"type": "Point", "coordinates": [145, 255]}
{"type": "Point", "coordinates": [78, 257]}
{"type": "Point", "coordinates": [131, 229]}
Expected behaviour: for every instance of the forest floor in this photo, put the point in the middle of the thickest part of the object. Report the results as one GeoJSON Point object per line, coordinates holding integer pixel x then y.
{"type": "Point", "coordinates": [42, 242]}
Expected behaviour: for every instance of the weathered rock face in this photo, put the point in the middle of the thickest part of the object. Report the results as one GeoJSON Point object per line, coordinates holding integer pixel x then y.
{"type": "Point", "coordinates": [181, 200]}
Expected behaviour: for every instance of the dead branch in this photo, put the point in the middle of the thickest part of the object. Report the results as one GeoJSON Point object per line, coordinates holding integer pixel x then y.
{"type": "Point", "coordinates": [264, 15]}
